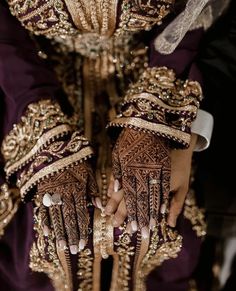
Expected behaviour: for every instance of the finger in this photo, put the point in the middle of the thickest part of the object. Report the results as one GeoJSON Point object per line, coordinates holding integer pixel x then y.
{"type": "Point", "coordinates": [142, 181]}
{"type": "Point", "coordinates": [82, 215]}
{"type": "Point", "coordinates": [116, 167]}
{"type": "Point", "coordinates": [92, 184]}
{"type": "Point", "coordinates": [154, 195]}
{"type": "Point", "coordinates": [176, 206]}
{"type": "Point", "coordinates": [145, 232]}
{"type": "Point", "coordinates": [120, 215]}
{"type": "Point", "coordinates": [129, 187]}
{"type": "Point", "coordinates": [69, 216]}
{"type": "Point", "coordinates": [44, 214]}
{"type": "Point", "coordinates": [57, 222]}
{"type": "Point", "coordinates": [113, 202]}
{"type": "Point", "coordinates": [165, 189]}
{"type": "Point", "coordinates": [128, 228]}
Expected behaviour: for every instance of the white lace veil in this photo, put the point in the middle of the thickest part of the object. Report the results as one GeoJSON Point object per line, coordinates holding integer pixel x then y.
{"type": "Point", "coordinates": [169, 39]}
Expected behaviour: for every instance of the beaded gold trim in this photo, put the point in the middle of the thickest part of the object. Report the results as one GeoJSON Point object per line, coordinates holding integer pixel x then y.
{"type": "Point", "coordinates": [9, 202]}
{"type": "Point", "coordinates": [32, 133]}
{"type": "Point", "coordinates": [160, 129]}
{"type": "Point", "coordinates": [45, 257]}
{"type": "Point", "coordinates": [34, 178]}
{"type": "Point", "coordinates": [161, 103]}
{"type": "Point", "coordinates": [195, 215]}
{"type": "Point", "coordinates": [162, 82]}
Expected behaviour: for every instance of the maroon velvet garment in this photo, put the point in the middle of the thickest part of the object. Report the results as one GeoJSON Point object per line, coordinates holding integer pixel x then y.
{"type": "Point", "coordinates": [25, 78]}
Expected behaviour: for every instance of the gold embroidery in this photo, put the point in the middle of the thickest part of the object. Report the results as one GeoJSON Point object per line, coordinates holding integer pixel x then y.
{"type": "Point", "coordinates": [161, 103]}
{"type": "Point", "coordinates": [30, 178]}
{"type": "Point", "coordinates": [44, 257]}
{"type": "Point", "coordinates": [163, 130]}
{"type": "Point", "coordinates": [50, 18]}
{"type": "Point", "coordinates": [162, 82]}
{"type": "Point", "coordinates": [9, 202]}
{"type": "Point", "coordinates": [195, 215]}
{"type": "Point", "coordinates": [142, 14]}
{"type": "Point", "coordinates": [18, 145]}
{"type": "Point", "coordinates": [85, 270]}
{"type": "Point", "coordinates": [125, 251]}
{"type": "Point", "coordinates": [159, 251]}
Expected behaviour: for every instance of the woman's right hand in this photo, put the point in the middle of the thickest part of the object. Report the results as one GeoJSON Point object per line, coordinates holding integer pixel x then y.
{"type": "Point", "coordinates": [63, 209]}
{"type": "Point", "coordinates": [141, 164]}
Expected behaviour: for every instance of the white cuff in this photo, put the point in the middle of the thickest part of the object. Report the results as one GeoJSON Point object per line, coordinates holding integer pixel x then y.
{"type": "Point", "coordinates": [203, 127]}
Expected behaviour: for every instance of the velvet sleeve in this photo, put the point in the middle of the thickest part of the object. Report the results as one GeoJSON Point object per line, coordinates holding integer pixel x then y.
{"type": "Point", "coordinates": [39, 135]}
{"type": "Point", "coordinates": [167, 95]}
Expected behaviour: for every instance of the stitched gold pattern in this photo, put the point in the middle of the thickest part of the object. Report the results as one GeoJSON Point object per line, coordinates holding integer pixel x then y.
{"type": "Point", "coordinates": [28, 136]}
{"type": "Point", "coordinates": [52, 161]}
{"type": "Point", "coordinates": [85, 270]}
{"type": "Point", "coordinates": [195, 215]}
{"type": "Point", "coordinates": [161, 103]}
{"type": "Point", "coordinates": [44, 257]}
{"type": "Point", "coordinates": [142, 14]}
{"type": "Point", "coordinates": [160, 249]}
{"type": "Point", "coordinates": [50, 18]}
{"type": "Point", "coordinates": [9, 202]}
{"type": "Point", "coordinates": [125, 251]}
{"type": "Point", "coordinates": [162, 82]}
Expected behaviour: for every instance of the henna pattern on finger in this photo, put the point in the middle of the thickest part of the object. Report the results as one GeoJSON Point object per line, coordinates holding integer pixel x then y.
{"type": "Point", "coordinates": [68, 213]}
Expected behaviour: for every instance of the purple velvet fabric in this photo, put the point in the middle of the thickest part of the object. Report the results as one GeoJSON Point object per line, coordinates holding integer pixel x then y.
{"type": "Point", "coordinates": [182, 60]}
{"type": "Point", "coordinates": [24, 77]}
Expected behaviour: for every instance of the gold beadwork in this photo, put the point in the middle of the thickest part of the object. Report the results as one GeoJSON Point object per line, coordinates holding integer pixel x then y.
{"type": "Point", "coordinates": [32, 133]}
{"type": "Point", "coordinates": [195, 214]}
{"type": "Point", "coordinates": [9, 202]}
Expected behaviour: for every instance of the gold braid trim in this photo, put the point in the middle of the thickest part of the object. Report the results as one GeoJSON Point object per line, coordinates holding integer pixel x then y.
{"type": "Point", "coordinates": [29, 178]}
{"type": "Point", "coordinates": [195, 214]}
{"type": "Point", "coordinates": [162, 104]}
{"type": "Point", "coordinates": [9, 203]}
{"type": "Point", "coordinates": [42, 123]}
{"type": "Point", "coordinates": [44, 257]}
{"type": "Point", "coordinates": [158, 252]}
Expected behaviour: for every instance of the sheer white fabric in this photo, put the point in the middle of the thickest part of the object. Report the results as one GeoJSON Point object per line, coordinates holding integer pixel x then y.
{"type": "Point", "coordinates": [169, 39]}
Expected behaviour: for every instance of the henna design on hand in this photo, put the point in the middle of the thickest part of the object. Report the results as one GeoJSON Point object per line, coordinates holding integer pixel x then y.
{"type": "Point", "coordinates": [69, 219]}
{"type": "Point", "coordinates": [141, 162]}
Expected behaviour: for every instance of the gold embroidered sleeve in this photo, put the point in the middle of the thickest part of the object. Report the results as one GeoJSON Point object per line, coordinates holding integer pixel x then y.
{"type": "Point", "coordinates": [161, 103]}
{"type": "Point", "coordinates": [44, 142]}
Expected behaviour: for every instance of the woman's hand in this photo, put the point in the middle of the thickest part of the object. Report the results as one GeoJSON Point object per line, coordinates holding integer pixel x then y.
{"type": "Point", "coordinates": [179, 185]}
{"type": "Point", "coordinates": [64, 198]}
{"type": "Point", "coordinates": [141, 164]}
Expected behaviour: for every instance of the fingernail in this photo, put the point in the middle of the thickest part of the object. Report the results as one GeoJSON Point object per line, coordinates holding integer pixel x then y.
{"type": "Point", "coordinates": [116, 186]}
{"type": "Point", "coordinates": [115, 223]}
{"type": "Point", "coordinates": [62, 245]}
{"type": "Point", "coordinates": [73, 249]}
{"type": "Point", "coordinates": [81, 244]}
{"type": "Point", "coordinates": [99, 203]}
{"type": "Point", "coordinates": [45, 231]}
{"type": "Point", "coordinates": [94, 202]}
{"type": "Point", "coordinates": [152, 224]}
{"type": "Point", "coordinates": [145, 232]}
{"type": "Point", "coordinates": [134, 226]}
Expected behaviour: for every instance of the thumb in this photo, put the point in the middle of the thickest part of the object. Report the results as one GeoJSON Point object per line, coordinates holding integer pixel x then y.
{"type": "Point", "coordinates": [176, 206]}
